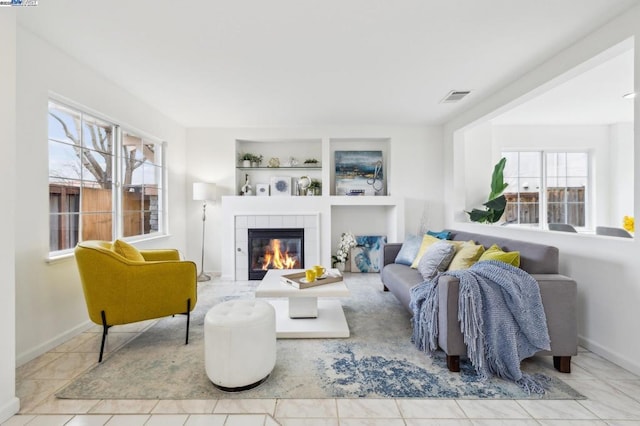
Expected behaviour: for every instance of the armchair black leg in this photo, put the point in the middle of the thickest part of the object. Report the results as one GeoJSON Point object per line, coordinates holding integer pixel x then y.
{"type": "Point", "coordinates": [186, 342]}
{"type": "Point", "coordinates": [105, 330]}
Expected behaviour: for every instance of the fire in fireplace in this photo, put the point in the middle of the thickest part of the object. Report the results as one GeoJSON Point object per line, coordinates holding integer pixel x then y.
{"type": "Point", "coordinates": [275, 248]}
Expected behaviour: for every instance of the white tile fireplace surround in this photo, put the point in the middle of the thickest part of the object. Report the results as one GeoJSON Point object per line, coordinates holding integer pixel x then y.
{"type": "Point", "coordinates": [310, 222]}
{"type": "Point", "coordinates": [321, 218]}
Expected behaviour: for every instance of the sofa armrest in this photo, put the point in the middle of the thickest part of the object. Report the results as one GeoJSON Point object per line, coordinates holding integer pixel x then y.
{"type": "Point", "coordinates": [389, 253]}
{"type": "Point", "coordinates": [450, 337]}
{"type": "Point", "coordinates": [559, 299]}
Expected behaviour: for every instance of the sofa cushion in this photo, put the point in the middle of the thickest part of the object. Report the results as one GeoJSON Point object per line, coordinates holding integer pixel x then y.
{"type": "Point", "coordinates": [467, 255]}
{"type": "Point", "coordinates": [127, 251]}
{"type": "Point", "coordinates": [427, 240]}
{"type": "Point", "coordinates": [496, 253]}
{"type": "Point", "coordinates": [443, 235]}
{"type": "Point", "coordinates": [534, 258]}
{"type": "Point", "coordinates": [409, 250]}
{"type": "Point", "coordinates": [436, 259]}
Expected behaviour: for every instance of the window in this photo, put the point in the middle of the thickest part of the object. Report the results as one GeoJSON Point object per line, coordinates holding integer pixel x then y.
{"type": "Point", "coordinates": [546, 184]}
{"type": "Point", "coordinates": [85, 154]}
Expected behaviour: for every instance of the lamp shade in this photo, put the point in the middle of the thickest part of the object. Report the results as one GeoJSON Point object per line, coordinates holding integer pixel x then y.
{"type": "Point", "coordinates": [204, 191]}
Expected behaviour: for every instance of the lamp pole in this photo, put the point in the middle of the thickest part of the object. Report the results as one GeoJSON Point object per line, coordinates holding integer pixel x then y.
{"type": "Point", "coordinates": [203, 191]}
{"type": "Point", "coordinates": [202, 276]}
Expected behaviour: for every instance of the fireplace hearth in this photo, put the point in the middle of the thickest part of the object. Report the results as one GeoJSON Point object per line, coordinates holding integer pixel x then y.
{"type": "Point", "coordinates": [274, 248]}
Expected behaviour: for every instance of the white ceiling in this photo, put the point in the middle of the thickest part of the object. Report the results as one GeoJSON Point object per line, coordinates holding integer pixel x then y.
{"type": "Point", "coordinates": [313, 62]}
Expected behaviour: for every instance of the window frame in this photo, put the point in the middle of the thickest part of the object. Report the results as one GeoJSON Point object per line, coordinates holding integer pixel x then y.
{"type": "Point", "coordinates": [543, 196]}
{"type": "Point", "coordinates": [117, 177]}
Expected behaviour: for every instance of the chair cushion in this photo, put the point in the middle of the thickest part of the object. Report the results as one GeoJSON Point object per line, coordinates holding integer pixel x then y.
{"type": "Point", "coordinates": [127, 251]}
{"type": "Point", "coordinates": [496, 253]}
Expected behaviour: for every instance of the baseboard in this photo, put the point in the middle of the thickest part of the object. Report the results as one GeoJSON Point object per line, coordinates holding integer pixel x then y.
{"type": "Point", "coordinates": [8, 409]}
{"type": "Point", "coordinates": [616, 358]}
{"type": "Point", "coordinates": [33, 353]}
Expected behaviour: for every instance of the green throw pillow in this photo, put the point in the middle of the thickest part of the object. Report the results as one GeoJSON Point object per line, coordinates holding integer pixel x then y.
{"type": "Point", "coordinates": [496, 253]}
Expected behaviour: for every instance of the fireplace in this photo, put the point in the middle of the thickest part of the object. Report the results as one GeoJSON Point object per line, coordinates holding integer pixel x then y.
{"type": "Point", "coordinates": [274, 248]}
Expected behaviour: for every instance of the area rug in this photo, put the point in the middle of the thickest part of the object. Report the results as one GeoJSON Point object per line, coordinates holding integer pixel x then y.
{"type": "Point", "coordinates": [378, 360]}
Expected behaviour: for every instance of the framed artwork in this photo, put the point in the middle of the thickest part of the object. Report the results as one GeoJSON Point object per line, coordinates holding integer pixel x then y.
{"type": "Point", "coordinates": [359, 173]}
{"type": "Point", "coordinates": [262, 189]}
{"type": "Point", "coordinates": [280, 186]}
{"type": "Point", "coordinates": [365, 257]}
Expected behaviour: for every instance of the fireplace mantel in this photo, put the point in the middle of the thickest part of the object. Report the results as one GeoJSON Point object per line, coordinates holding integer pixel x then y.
{"type": "Point", "coordinates": [314, 214]}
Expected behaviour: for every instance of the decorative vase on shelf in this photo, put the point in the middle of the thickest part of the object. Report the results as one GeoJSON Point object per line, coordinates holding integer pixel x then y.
{"type": "Point", "coordinates": [340, 266]}
{"type": "Point", "coordinates": [246, 163]}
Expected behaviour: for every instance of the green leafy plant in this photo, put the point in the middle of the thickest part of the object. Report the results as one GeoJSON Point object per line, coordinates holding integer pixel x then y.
{"type": "Point", "coordinates": [310, 161]}
{"type": "Point", "coordinates": [494, 208]}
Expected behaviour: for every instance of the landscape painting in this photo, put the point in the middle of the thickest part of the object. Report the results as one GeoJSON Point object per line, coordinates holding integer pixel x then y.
{"type": "Point", "coordinates": [359, 173]}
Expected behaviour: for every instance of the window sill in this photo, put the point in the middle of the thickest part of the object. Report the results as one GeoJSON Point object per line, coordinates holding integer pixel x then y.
{"type": "Point", "coordinates": [59, 258]}
{"type": "Point", "coordinates": [64, 256]}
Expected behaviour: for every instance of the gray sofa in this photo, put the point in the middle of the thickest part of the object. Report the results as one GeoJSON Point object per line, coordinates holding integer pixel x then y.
{"type": "Point", "coordinates": [558, 292]}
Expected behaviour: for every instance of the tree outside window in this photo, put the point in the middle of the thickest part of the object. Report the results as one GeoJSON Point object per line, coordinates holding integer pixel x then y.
{"type": "Point", "coordinates": [83, 160]}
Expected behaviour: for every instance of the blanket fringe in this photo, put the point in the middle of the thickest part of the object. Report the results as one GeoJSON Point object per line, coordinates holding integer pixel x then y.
{"type": "Point", "coordinates": [538, 383]}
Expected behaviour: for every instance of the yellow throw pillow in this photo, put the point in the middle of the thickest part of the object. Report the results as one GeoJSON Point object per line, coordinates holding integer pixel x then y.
{"type": "Point", "coordinates": [496, 253]}
{"type": "Point", "coordinates": [467, 255]}
{"type": "Point", "coordinates": [127, 251]}
{"type": "Point", "coordinates": [427, 240]}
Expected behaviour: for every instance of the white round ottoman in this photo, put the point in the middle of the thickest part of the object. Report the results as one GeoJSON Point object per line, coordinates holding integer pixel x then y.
{"type": "Point", "coordinates": [239, 344]}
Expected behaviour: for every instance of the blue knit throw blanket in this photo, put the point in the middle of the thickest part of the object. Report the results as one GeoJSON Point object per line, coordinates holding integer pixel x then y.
{"type": "Point", "coordinates": [501, 318]}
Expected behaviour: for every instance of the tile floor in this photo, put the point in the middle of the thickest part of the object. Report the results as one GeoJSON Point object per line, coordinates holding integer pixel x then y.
{"type": "Point", "coordinates": [613, 398]}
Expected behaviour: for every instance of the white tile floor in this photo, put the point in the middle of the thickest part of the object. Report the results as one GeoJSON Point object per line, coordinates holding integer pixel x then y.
{"type": "Point", "coordinates": [613, 398]}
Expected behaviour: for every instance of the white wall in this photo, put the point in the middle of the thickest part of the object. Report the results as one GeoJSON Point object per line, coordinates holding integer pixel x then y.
{"type": "Point", "coordinates": [415, 168]}
{"type": "Point", "coordinates": [9, 404]}
{"type": "Point", "coordinates": [49, 305]}
{"type": "Point", "coordinates": [606, 269]}
{"type": "Point", "coordinates": [621, 184]}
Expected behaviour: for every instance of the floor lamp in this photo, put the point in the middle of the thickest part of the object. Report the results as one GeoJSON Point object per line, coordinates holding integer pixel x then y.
{"type": "Point", "coordinates": [203, 191]}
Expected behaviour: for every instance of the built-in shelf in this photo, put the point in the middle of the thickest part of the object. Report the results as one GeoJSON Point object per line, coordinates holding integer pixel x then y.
{"type": "Point", "coordinates": [278, 168]}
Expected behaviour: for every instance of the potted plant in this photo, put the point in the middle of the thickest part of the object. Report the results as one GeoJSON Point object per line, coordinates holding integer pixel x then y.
{"type": "Point", "coordinates": [347, 242]}
{"type": "Point", "coordinates": [246, 159]}
{"type": "Point", "coordinates": [494, 208]}
{"type": "Point", "coordinates": [311, 162]}
{"type": "Point", "coordinates": [256, 160]}
{"type": "Point", "coordinates": [315, 188]}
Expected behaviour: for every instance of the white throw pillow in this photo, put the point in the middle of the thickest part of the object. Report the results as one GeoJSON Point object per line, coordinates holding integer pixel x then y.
{"type": "Point", "coordinates": [436, 259]}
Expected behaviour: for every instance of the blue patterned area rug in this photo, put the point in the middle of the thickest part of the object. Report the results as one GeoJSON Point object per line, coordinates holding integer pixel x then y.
{"type": "Point", "coordinates": [378, 360]}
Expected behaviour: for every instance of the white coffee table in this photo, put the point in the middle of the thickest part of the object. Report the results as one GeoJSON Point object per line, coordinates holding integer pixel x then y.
{"type": "Point", "coordinates": [305, 313]}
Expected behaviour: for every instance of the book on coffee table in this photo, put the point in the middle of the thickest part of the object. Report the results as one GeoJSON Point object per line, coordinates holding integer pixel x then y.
{"type": "Point", "coordinates": [299, 281]}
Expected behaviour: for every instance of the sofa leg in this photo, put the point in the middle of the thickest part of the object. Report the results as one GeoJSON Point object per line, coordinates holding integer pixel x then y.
{"type": "Point", "coordinates": [562, 363]}
{"type": "Point", "coordinates": [384, 288]}
{"type": "Point", "coordinates": [453, 363]}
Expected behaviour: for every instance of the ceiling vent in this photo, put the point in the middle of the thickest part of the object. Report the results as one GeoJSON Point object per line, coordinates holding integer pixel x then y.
{"type": "Point", "coordinates": [455, 96]}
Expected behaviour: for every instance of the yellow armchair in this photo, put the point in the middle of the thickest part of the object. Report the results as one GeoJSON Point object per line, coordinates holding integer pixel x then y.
{"type": "Point", "coordinates": [118, 290]}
